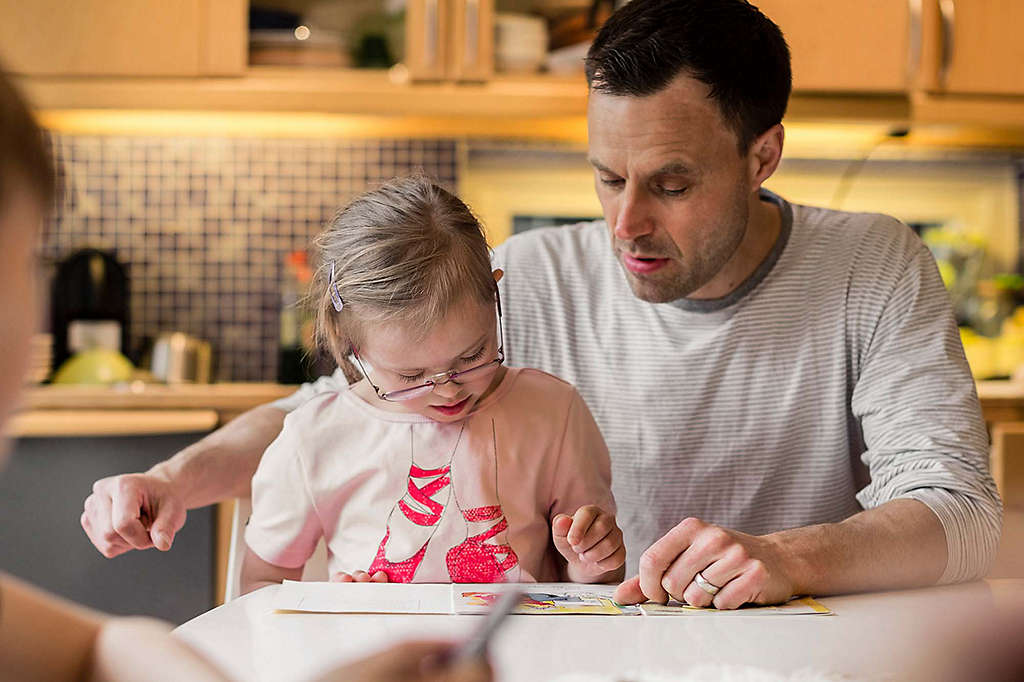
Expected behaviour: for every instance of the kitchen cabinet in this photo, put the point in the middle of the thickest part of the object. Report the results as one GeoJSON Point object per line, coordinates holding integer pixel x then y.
{"type": "Point", "coordinates": [447, 73]}
{"type": "Point", "coordinates": [847, 45]}
{"type": "Point", "coordinates": [87, 432]}
{"type": "Point", "coordinates": [958, 62]}
{"type": "Point", "coordinates": [444, 39]}
{"type": "Point", "coordinates": [472, 40]}
{"type": "Point", "coordinates": [123, 37]}
{"type": "Point", "coordinates": [1002, 404]}
{"type": "Point", "coordinates": [884, 46]}
{"type": "Point", "coordinates": [449, 40]}
{"type": "Point", "coordinates": [1008, 462]}
{"type": "Point", "coordinates": [973, 47]}
{"type": "Point", "coordinates": [41, 495]}
{"type": "Point", "coordinates": [879, 60]}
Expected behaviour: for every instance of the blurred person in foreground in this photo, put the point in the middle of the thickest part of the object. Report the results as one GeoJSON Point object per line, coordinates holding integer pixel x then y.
{"type": "Point", "coordinates": [43, 637]}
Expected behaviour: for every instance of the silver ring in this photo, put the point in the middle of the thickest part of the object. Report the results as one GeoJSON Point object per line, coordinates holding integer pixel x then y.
{"type": "Point", "coordinates": [703, 584]}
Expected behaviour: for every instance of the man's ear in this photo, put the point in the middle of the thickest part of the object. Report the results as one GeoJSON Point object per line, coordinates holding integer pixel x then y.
{"type": "Point", "coordinates": [764, 155]}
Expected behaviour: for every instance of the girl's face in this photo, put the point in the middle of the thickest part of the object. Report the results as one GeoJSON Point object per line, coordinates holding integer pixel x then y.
{"type": "Point", "coordinates": [20, 218]}
{"type": "Point", "coordinates": [397, 357]}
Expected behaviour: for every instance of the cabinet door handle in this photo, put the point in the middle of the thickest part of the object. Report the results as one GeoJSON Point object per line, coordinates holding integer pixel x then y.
{"type": "Point", "coordinates": [472, 17]}
{"type": "Point", "coordinates": [914, 41]}
{"type": "Point", "coordinates": [947, 9]}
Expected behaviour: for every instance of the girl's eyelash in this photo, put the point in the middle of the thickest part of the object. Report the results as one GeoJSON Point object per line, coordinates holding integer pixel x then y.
{"type": "Point", "coordinates": [475, 356]}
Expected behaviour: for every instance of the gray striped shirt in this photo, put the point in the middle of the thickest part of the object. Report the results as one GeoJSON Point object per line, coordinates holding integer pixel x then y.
{"type": "Point", "coordinates": [831, 381]}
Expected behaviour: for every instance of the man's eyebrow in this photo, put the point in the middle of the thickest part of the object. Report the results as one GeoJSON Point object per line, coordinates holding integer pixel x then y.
{"type": "Point", "coordinates": [671, 168]}
{"type": "Point", "coordinates": [675, 168]}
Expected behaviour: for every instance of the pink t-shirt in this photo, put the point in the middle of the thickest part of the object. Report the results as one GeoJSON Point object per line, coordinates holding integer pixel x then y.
{"type": "Point", "coordinates": [470, 501]}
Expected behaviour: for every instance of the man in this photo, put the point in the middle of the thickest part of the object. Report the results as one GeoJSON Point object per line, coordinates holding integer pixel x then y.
{"type": "Point", "coordinates": [782, 387]}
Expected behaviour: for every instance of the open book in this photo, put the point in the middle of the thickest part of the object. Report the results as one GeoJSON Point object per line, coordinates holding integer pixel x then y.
{"type": "Point", "coordinates": [462, 598]}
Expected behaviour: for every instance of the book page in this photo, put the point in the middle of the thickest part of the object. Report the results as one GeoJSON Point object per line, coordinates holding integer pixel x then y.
{"type": "Point", "coordinates": [326, 597]}
{"type": "Point", "coordinates": [543, 599]}
{"type": "Point", "coordinates": [802, 606]}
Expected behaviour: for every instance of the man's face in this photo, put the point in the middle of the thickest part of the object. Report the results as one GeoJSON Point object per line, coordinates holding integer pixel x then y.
{"type": "Point", "coordinates": [674, 188]}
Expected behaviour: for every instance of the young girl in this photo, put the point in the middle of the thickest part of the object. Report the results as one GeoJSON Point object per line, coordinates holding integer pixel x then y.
{"type": "Point", "coordinates": [439, 464]}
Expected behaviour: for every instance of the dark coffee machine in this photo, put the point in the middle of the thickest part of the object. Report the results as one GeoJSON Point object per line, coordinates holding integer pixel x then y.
{"type": "Point", "coordinates": [89, 305]}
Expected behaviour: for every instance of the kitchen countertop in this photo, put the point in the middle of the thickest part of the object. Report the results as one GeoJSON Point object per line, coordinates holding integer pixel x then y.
{"type": "Point", "coordinates": [1002, 400]}
{"type": "Point", "coordinates": [139, 396]}
{"type": "Point", "coordinates": [79, 423]}
{"type": "Point", "coordinates": [136, 408]}
{"type": "Point", "coordinates": [139, 408]}
{"type": "Point", "coordinates": [233, 396]}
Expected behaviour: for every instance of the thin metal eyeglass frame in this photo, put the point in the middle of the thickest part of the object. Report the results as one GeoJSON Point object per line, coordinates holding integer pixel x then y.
{"type": "Point", "coordinates": [449, 376]}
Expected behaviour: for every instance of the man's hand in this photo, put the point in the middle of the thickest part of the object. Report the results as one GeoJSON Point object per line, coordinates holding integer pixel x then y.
{"type": "Point", "coordinates": [591, 542]}
{"type": "Point", "coordinates": [132, 511]}
{"type": "Point", "coordinates": [745, 568]}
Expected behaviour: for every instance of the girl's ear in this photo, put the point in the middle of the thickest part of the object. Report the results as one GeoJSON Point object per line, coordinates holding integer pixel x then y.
{"type": "Point", "coordinates": [498, 274]}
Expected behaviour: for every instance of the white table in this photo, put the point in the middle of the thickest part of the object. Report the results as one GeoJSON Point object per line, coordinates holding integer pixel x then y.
{"type": "Point", "coordinates": [871, 636]}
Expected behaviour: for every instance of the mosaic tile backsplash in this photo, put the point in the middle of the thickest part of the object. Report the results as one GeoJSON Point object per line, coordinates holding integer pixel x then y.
{"type": "Point", "coordinates": [203, 224]}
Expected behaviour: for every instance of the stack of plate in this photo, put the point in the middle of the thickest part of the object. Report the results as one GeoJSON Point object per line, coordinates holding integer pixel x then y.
{"type": "Point", "coordinates": [520, 42]}
{"type": "Point", "coordinates": [40, 359]}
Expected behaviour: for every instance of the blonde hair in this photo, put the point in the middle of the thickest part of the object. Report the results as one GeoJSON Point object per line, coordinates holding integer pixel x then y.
{"type": "Point", "coordinates": [405, 252]}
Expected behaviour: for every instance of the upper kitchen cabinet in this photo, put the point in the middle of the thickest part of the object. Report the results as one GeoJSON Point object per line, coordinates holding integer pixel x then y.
{"type": "Point", "coordinates": [48, 38]}
{"type": "Point", "coordinates": [848, 45]}
{"type": "Point", "coordinates": [895, 46]}
{"type": "Point", "coordinates": [957, 62]}
{"type": "Point", "coordinates": [465, 63]}
{"type": "Point", "coordinates": [449, 40]}
{"type": "Point", "coordinates": [431, 40]}
{"type": "Point", "coordinates": [446, 60]}
{"type": "Point", "coordinates": [973, 47]}
{"type": "Point", "coordinates": [472, 40]}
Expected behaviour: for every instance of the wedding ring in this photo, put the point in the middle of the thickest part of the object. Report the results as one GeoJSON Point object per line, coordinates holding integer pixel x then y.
{"type": "Point", "coordinates": [703, 584]}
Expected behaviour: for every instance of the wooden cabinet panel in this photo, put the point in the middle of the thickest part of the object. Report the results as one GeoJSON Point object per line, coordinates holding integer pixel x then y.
{"type": "Point", "coordinates": [100, 37]}
{"type": "Point", "coordinates": [847, 45]}
{"type": "Point", "coordinates": [1008, 462]}
{"type": "Point", "coordinates": [123, 37]}
{"type": "Point", "coordinates": [973, 47]}
{"type": "Point", "coordinates": [426, 50]}
{"type": "Point", "coordinates": [472, 40]}
{"type": "Point", "coordinates": [223, 37]}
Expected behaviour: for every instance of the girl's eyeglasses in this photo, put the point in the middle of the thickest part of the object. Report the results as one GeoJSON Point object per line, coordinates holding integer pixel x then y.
{"type": "Point", "coordinates": [459, 377]}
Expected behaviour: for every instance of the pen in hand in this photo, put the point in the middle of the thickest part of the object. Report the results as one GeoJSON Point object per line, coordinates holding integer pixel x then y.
{"type": "Point", "coordinates": [476, 645]}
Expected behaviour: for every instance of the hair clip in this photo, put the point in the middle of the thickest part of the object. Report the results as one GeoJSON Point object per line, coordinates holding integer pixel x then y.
{"type": "Point", "coordinates": [332, 287]}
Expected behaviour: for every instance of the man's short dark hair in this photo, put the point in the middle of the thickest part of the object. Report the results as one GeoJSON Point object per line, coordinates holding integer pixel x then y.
{"type": "Point", "coordinates": [729, 45]}
{"type": "Point", "coordinates": [24, 161]}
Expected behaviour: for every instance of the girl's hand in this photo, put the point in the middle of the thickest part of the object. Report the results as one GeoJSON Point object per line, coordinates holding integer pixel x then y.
{"type": "Point", "coordinates": [592, 544]}
{"type": "Point", "coordinates": [360, 577]}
